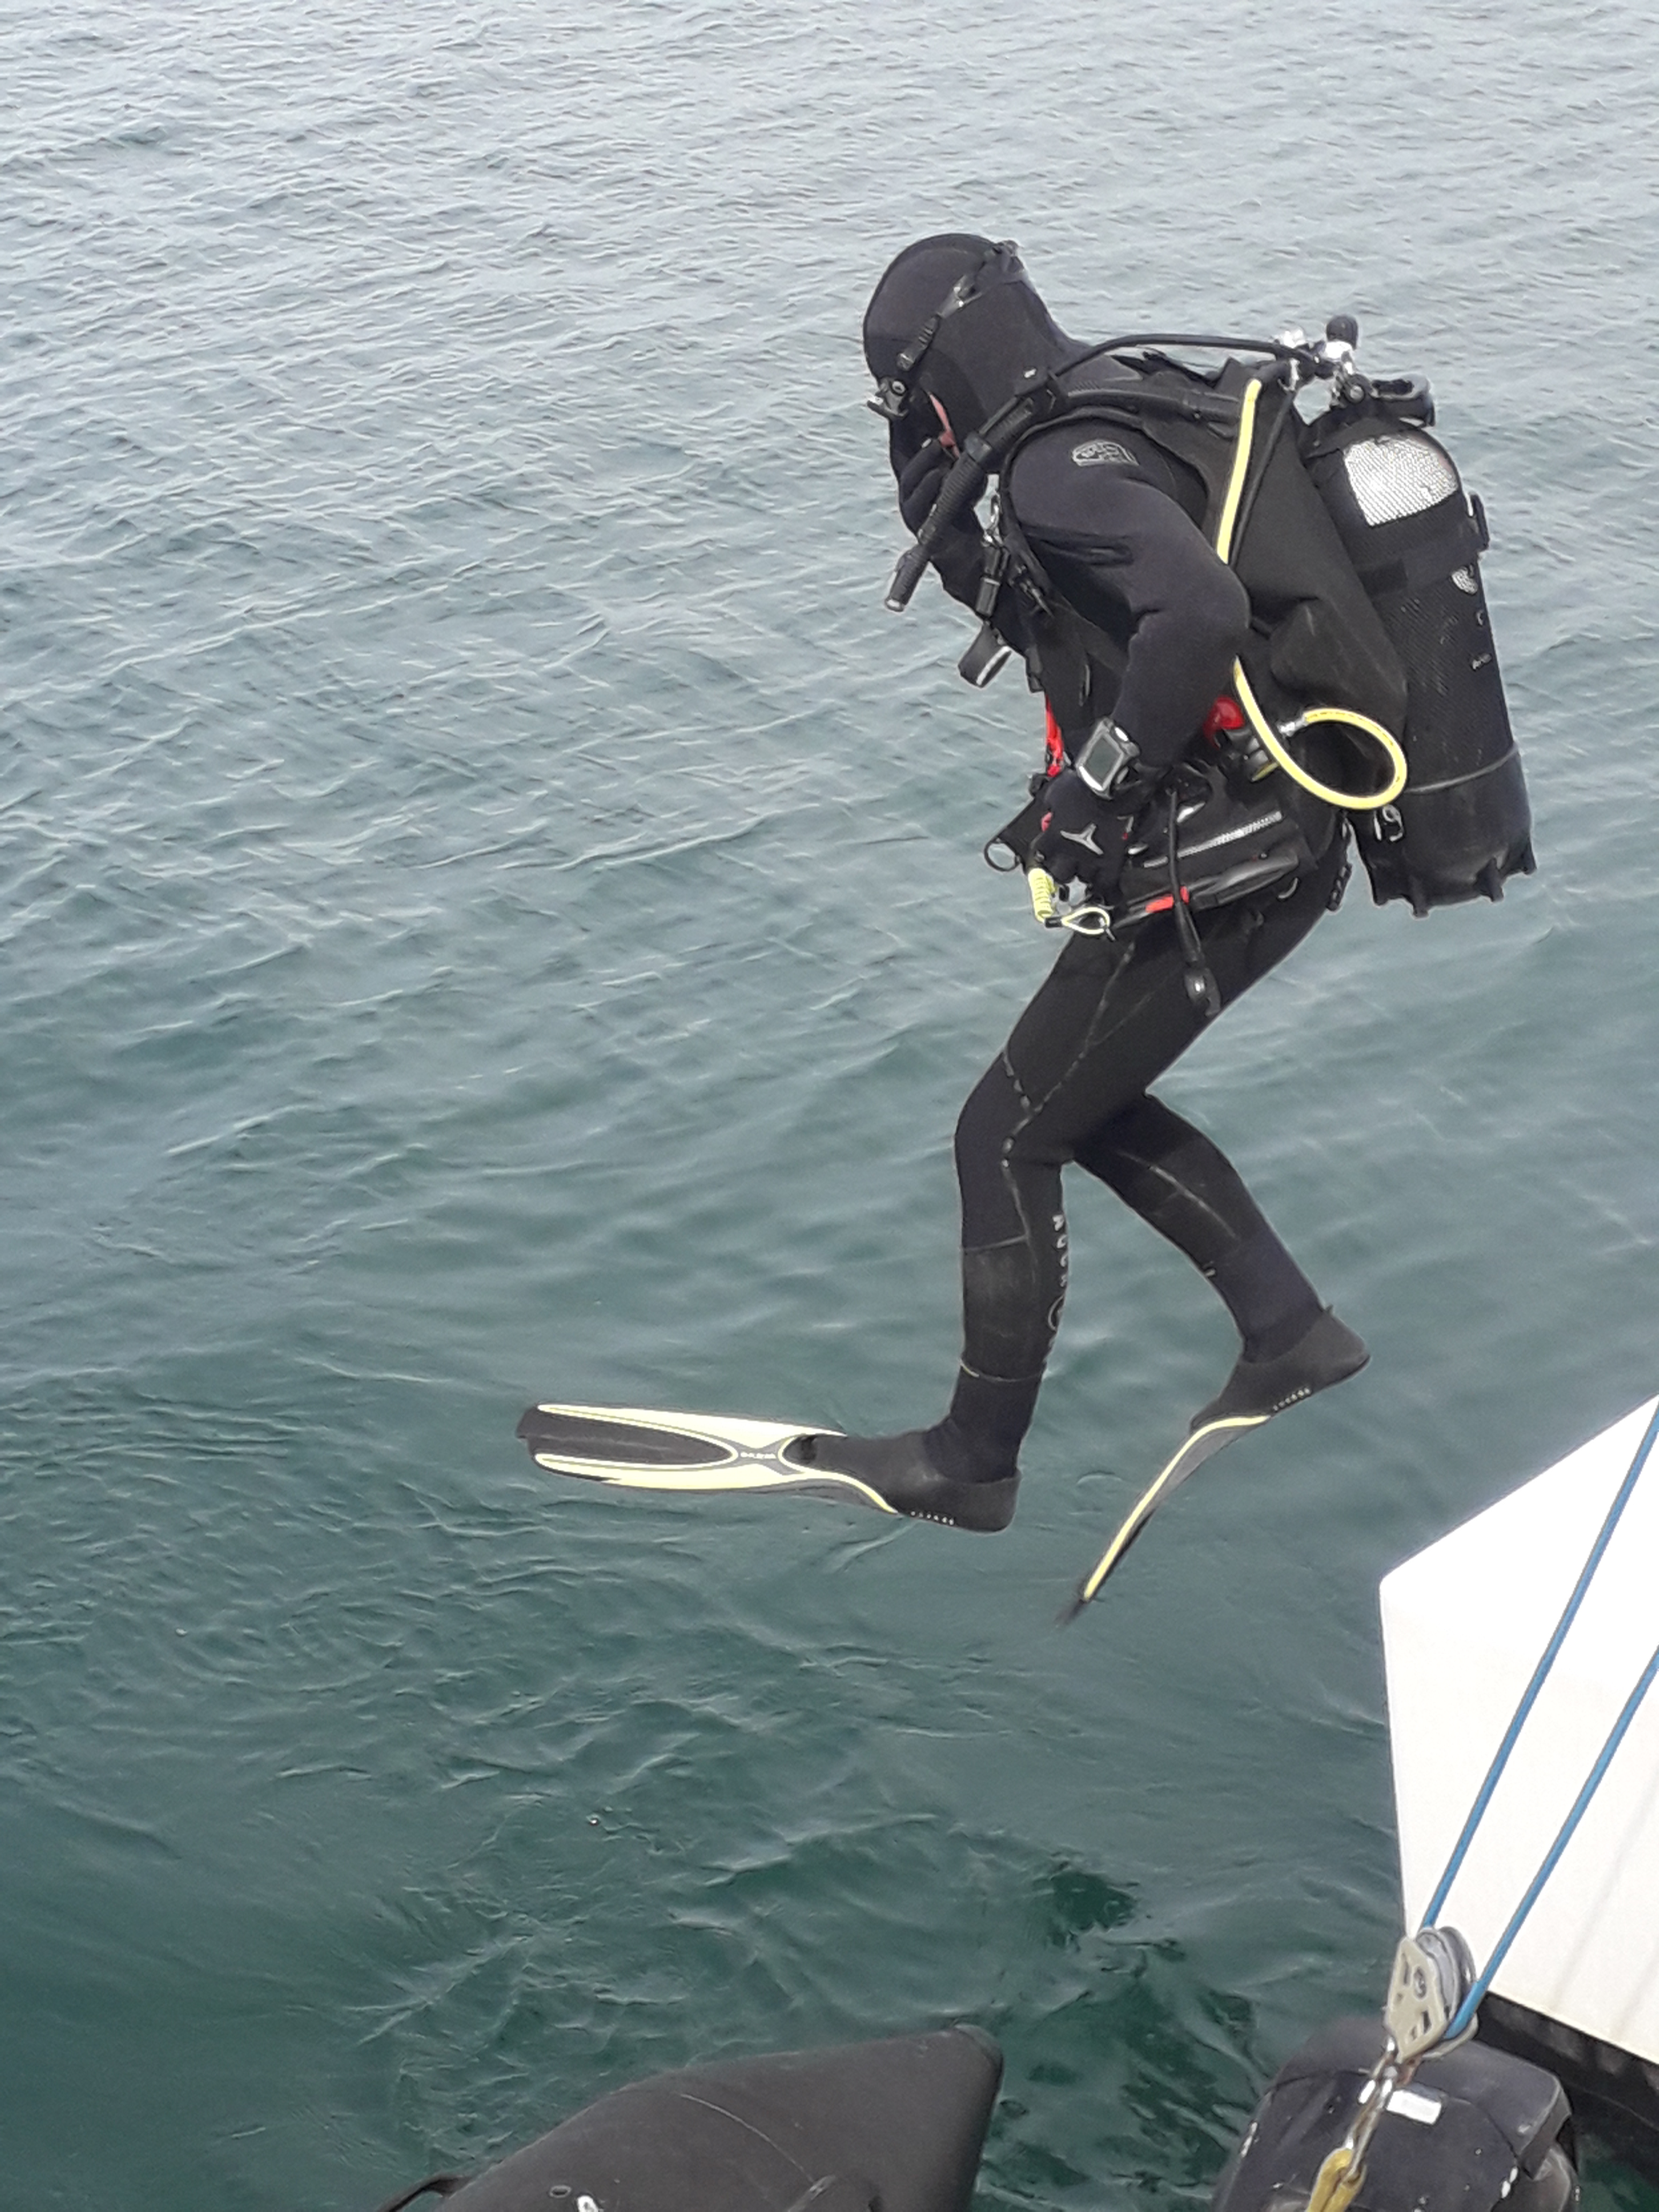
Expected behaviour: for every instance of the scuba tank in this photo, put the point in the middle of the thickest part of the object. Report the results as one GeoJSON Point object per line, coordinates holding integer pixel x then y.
{"type": "Point", "coordinates": [1462, 824]}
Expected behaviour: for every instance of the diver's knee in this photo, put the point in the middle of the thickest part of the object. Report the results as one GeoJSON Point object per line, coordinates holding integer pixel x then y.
{"type": "Point", "coordinates": [989, 1117]}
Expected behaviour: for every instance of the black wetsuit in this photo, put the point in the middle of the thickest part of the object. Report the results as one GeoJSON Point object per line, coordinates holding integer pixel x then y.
{"type": "Point", "coordinates": [1136, 621]}
{"type": "Point", "coordinates": [1114, 523]}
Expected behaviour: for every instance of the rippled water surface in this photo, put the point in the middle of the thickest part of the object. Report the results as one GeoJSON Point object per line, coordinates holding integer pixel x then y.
{"type": "Point", "coordinates": [490, 907]}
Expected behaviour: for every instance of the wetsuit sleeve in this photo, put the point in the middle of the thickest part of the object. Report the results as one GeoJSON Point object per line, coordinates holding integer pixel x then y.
{"type": "Point", "coordinates": [1130, 558]}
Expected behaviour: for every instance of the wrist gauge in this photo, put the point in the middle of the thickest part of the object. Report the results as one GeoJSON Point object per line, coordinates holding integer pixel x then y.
{"type": "Point", "coordinates": [1105, 758]}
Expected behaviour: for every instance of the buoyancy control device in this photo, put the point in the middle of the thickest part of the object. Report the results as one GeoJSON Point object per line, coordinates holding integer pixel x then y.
{"type": "Point", "coordinates": [1400, 625]}
{"type": "Point", "coordinates": [1476, 2128]}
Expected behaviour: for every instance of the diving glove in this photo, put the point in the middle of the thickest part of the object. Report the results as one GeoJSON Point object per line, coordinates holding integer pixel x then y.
{"type": "Point", "coordinates": [1085, 838]}
{"type": "Point", "coordinates": [959, 557]}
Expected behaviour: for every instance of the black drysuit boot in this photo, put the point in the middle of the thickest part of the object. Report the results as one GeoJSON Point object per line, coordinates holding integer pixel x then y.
{"type": "Point", "coordinates": [963, 1472]}
{"type": "Point", "coordinates": [1327, 1352]}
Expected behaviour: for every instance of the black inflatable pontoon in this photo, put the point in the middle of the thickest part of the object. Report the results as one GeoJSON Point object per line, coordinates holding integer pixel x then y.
{"type": "Point", "coordinates": [895, 2126]}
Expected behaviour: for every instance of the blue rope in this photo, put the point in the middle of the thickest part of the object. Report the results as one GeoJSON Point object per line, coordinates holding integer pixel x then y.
{"type": "Point", "coordinates": [1460, 1850]}
{"type": "Point", "coordinates": [1465, 2011]}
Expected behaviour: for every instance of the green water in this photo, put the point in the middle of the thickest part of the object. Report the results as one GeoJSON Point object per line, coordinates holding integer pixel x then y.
{"type": "Point", "coordinates": [491, 909]}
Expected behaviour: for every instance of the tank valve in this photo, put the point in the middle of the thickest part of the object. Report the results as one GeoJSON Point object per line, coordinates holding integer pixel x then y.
{"type": "Point", "coordinates": [1336, 351]}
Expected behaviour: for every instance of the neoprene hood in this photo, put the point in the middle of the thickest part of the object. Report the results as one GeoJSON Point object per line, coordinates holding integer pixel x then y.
{"type": "Point", "coordinates": [991, 335]}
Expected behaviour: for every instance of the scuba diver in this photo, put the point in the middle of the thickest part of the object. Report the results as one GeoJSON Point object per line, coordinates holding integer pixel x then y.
{"type": "Point", "coordinates": [1253, 633]}
{"type": "Point", "coordinates": [1100, 572]}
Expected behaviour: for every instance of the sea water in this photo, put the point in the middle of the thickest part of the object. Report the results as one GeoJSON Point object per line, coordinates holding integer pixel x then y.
{"type": "Point", "coordinates": [491, 908]}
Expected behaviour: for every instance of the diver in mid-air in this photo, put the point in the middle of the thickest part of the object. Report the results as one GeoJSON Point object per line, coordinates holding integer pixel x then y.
{"type": "Point", "coordinates": [1255, 634]}
{"type": "Point", "coordinates": [1174, 604]}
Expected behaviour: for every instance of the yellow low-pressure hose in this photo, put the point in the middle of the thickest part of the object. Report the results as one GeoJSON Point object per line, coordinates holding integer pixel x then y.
{"type": "Point", "coordinates": [1355, 802]}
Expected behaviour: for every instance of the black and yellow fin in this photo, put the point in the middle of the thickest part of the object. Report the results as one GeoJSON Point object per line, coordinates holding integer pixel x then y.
{"type": "Point", "coordinates": [1203, 1444]}
{"type": "Point", "coordinates": [1327, 1352]}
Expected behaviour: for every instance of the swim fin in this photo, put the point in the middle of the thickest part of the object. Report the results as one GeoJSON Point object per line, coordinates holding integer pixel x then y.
{"type": "Point", "coordinates": [1194, 1450]}
{"type": "Point", "coordinates": [1327, 1353]}
{"type": "Point", "coordinates": [633, 1450]}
